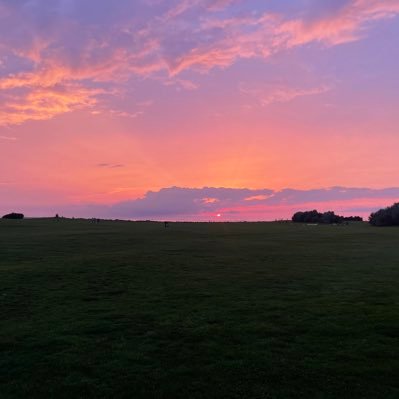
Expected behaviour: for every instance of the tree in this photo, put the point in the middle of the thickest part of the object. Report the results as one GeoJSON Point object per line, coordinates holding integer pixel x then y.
{"type": "Point", "coordinates": [307, 217]}
{"type": "Point", "coordinates": [353, 219]}
{"type": "Point", "coordinates": [298, 217]}
{"type": "Point", "coordinates": [386, 217]}
{"type": "Point", "coordinates": [13, 216]}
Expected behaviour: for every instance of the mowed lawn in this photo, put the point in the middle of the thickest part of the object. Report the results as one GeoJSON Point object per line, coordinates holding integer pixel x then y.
{"type": "Point", "coordinates": [224, 310]}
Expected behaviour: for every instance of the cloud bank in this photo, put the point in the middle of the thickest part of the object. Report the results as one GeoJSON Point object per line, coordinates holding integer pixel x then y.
{"type": "Point", "coordinates": [204, 204]}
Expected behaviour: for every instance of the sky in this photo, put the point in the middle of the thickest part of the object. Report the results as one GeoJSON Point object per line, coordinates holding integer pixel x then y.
{"type": "Point", "coordinates": [200, 109]}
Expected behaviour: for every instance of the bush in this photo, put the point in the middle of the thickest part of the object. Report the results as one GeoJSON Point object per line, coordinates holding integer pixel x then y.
{"type": "Point", "coordinates": [13, 216]}
{"type": "Point", "coordinates": [386, 217]}
{"type": "Point", "coordinates": [353, 219]}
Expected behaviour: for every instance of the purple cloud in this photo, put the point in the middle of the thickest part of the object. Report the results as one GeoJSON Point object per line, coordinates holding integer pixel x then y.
{"type": "Point", "coordinates": [178, 203]}
{"type": "Point", "coordinates": [79, 54]}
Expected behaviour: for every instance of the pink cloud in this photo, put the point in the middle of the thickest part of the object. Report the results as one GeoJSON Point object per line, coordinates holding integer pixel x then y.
{"type": "Point", "coordinates": [189, 36]}
{"type": "Point", "coordinates": [279, 94]}
{"type": "Point", "coordinates": [8, 138]}
{"type": "Point", "coordinates": [218, 5]}
{"type": "Point", "coordinates": [347, 25]}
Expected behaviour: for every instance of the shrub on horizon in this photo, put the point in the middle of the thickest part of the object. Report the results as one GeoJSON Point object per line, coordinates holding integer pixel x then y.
{"type": "Point", "coordinates": [13, 216]}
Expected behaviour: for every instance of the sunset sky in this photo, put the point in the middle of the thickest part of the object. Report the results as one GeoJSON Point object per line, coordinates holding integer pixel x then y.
{"type": "Point", "coordinates": [189, 109]}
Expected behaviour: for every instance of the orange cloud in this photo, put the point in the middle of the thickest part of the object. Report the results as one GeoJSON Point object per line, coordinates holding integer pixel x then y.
{"type": "Point", "coordinates": [45, 103]}
{"type": "Point", "coordinates": [257, 198]}
{"type": "Point", "coordinates": [209, 200]}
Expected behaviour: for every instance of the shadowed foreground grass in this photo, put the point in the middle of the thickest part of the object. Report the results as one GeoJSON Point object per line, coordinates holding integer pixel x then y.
{"type": "Point", "coordinates": [134, 310]}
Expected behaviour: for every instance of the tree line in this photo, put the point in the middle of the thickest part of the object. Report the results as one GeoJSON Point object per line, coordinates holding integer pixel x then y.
{"type": "Point", "coordinates": [384, 217]}
{"type": "Point", "coordinates": [323, 218]}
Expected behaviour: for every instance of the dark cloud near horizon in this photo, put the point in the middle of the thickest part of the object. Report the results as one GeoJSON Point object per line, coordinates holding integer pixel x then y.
{"type": "Point", "coordinates": [184, 201]}
{"type": "Point", "coordinates": [177, 202]}
{"type": "Point", "coordinates": [290, 196]}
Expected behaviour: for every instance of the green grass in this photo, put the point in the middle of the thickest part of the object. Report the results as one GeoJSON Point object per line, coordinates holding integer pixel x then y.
{"type": "Point", "coordinates": [250, 310]}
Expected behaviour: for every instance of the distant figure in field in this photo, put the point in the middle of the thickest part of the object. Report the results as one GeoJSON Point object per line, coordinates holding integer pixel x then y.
{"type": "Point", "coordinates": [57, 218]}
{"type": "Point", "coordinates": [166, 225]}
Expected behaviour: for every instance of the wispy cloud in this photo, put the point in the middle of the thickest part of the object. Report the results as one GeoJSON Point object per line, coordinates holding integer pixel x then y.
{"type": "Point", "coordinates": [270, 94]}
{"type": "Point", "coordinates": [70, 64]}
{"type": "Point", "coordinates": [8, 138]}
{"type": "Point", "coordinates": [41, 103]}
{"type": "Point", "coordinates": [110, 165]}
{"type": "Point", "coordinates": [347, 23]}
{"type": "Point", "coordinates": [181, 83]}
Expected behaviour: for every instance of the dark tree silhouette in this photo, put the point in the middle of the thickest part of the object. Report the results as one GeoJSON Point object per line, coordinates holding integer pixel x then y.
{"type": "Point", "coordinates": [353, 219]}
{"type": "Point", "coordinates": [307, 217]}
{"type": "Point", "coordinates": [13, 216]}
{"type": "Point", "coordinates": [325, 218]}
{"type": "Point", "coordinates": [386, 217]}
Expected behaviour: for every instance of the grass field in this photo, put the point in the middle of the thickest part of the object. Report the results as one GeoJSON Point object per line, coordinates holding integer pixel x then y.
{"type": "Point", "coordinates": [246, 310]}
